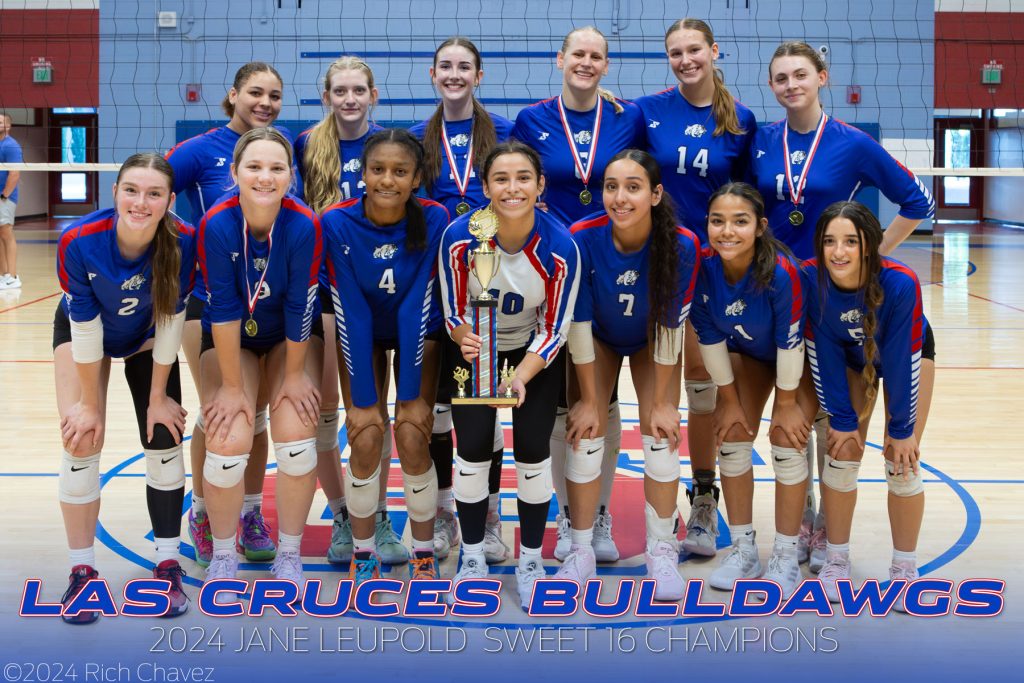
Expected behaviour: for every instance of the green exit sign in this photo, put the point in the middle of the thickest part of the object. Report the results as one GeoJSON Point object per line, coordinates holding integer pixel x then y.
{"type": "Point", "coordinates": [992, 74]}
{"type": "Point", "coordinates": [42, 73]}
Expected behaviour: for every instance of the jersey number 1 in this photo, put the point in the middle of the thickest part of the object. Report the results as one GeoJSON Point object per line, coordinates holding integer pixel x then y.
{"type": "Point", "coordinates": [699, 162]}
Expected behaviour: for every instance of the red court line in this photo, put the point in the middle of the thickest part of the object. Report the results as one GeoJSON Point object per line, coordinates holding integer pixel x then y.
{"type": "Point", "coordinates": [973, 296]}
{"type": "Point", "coordinates": [29, 303]}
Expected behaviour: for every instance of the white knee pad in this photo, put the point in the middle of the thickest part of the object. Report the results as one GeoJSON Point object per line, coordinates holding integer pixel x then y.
{"type": "Point", "coordinates": [79, 480]}
{"type": "Point", "coordinates": [499, 433]}
{"type": "Point", "coordinates": [361, 494]}
{"type": "Point", "coordinates": [840, 475]}
{"type": "Point", "coordinates": [421, 495]}
{"type": "Point", "coordinates": [224, 471]}
{"type": "Point", "coordinates": [700, 396]}
{"type": "Point", "coordinates": [259, 423]}
{"type": "Point", "coordinates": [296, 458]}
{"type": "Point", "coordinates": [584, 463]}
{"type": "Point", "coordinates": [200, 422]}
{"type": "Point", "coordinates": [165, 470]}
{"type": "Point", "coordinates": [661, 463]}
{"type": "Point", "coordinates": [735, 458]}
{"type": "Point", "coordinates": [471, 480]}
{"type": "Point", "coordinates": [442, 418]}
{"type": "Point", "coordinates": [790, 465]}
{"type": "Point", "coordinates": [327, 432]}
{"type": "Point", "coordinates": [534, 481]}
{"type": "Point", "coordinates": [904, 488]}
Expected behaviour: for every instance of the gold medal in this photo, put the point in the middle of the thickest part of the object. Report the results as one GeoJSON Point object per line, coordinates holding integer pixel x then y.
{"type": "Point", "coordinates": [251, 328]}
{"type": "Point", "coordinates": [796, 217]}
{"type": "Point", "coordinates": [461, 208]}
{"type": "Point", "coordinates": [586, 197]}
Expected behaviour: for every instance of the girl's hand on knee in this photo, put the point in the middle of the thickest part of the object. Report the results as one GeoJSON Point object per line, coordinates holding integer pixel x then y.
{"type": "Point", "coordinates": [581, 423]}
{"type": "Point", "coordinates": [794, 424]}
{"type": "Point", "coordinates": [227, 403]}
{"type": "Point", "coordinates": [304, 396]}
{"type": "Point", "coordinates": [904, 455]}
{"type": "Point", "coordinates": [727, 415]}
{"type": "Point", "coordinates": [665, 423]}
{"type": "Point", "coordinates": [78, 422]}
{"type": "Point", "coordinates": [165, 411]}
{"type": "Point", "coordinates": [848, 444]}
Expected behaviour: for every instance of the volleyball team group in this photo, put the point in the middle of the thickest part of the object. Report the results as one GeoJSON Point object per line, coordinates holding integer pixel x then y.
{"type": "Point", "coordinates": [717, 257]}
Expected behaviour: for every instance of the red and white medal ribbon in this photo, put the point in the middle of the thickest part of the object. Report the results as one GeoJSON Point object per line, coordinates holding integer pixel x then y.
{"type": "Point", "coordinates": [252, 298]}
{"type": "Point", "coordinates": [795, 194]}
{"type": "Point", "coordinates": [461, 179]}
{"type": "Point", "coordinates": [584, 172]}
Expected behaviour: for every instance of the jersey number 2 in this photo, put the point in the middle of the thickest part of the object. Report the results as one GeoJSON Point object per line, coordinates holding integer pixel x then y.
{"type": "Point", "coordinates": [128, 306]}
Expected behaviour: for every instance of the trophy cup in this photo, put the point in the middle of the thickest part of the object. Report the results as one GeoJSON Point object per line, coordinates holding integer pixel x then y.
{"type": "Point", "coordinates": [484, 261]}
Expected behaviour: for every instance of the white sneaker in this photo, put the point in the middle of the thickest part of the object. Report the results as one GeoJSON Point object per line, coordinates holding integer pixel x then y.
{"type": "Point", "coordinates": [817, 548]}
{"type": "Point", "coordinates": [604, 545]}
{"type": "Point", "coordinates": [223, 566]}
{"type": "Point", "coordinates": [784, 570]}
{"type": "Point", "coordinates": [742, 562]}
{"type": "Point", "coordinates": [564, 543]}
{"type": "Point", "coordinates": [903, 570]}
{"type": "Point", "coordinates": [579, 566]}
{"type": "Point", "coordinates": [446, 534]}
{"type": "Point", "coordinates": [837, 566]}
{"type": "Point", "coordinates": [471, 568]}
{"type": "Point", "coordinates": [702, 527]}
{"type": "Point", "coordinates": [495, 549]}
{"type": "Point", "coordinates": [11, 282]}
{"type": "Point", "coordinates": [288, 567]}
{"type": "Point", "coordinates": [662, 563]}
{"type": "Point", "coordinates": [525, 578]}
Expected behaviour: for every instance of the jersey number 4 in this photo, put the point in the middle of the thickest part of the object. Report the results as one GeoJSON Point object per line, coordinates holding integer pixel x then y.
{"type": "Point", "coordinates": [700, 161]}
{"type": "Point", "coordinates": [387, 281]}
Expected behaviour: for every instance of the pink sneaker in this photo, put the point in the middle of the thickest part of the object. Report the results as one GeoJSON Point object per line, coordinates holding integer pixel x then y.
{"type": "Point", "coordinates": [202, 537]}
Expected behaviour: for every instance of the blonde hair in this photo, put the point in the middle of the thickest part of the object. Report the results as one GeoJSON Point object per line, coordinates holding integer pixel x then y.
{"type": "Point", "coordinates": [723, 104]}
{"type": "Point", "coordinates": [603, 93]}
{"type": "Point", "coordinates": [321, 160]}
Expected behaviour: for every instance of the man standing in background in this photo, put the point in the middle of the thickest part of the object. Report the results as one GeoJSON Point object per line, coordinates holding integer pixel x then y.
{"type": "Point", "coordinates": [10, 152]}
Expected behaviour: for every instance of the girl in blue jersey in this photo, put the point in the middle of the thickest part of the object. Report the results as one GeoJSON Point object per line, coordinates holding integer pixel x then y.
{"type": "Point", "coordinates": [202, 174]}
{"type": "Point", "coordinates": [701, 137]}
{"type": "Point", "coordinates": [126, 274]}
{"type": "Point", "coordinates": [260, 252]}
{"type": "Point", "coordinates": [826, 161]}
{"type": "Point", "coordinates": [748, 312]}
{"type": "Point", "coordinates": [382, 249]}
{"type": "Point", "coordinates": [535, 287]}
{"type": "Point", "coordinates": [642, 269]}
{"type": "Point", "coordinates": [457, 138]}
{"type": "Point", "coordinates": [576, 134]}
{"type": "Point", "coordinates": [865, 317]}
{"type": "Point", "coordinates": [329, 159]}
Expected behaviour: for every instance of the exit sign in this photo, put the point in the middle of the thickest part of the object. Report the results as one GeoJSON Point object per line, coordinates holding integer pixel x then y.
{"type": "Point", "coordinates": [42, 71]}
{"type": "Point", "coordinates": [992, 73]}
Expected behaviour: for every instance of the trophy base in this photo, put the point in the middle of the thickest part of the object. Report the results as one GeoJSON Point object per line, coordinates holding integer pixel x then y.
{"type": "Point", "coordinates": [484, 401]}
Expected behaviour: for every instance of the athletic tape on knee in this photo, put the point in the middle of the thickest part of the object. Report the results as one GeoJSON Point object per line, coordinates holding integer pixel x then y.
{"type": "Point", "coordinates": [296, 458]}
{"type": "Point", "coordinates": [442, 418]}
{"type": "Point", "coordinates": [661, 463]}
{"type": "Point", "coordinates": [471, 480]}
{"type": "Point", "coordinates": [584, 462]}
{"type": "Point", "coordinates": [421, 495]}
{"type": "Point", "coordinates": [840, 475]}
{"type": "Point", "coordinates": [790, 465]}
{"type": "Point", "coordinates": [259, 424]}
{"type": "Point", "coordinates": [361, 494]}
{"type": "Point", "coordinates": [327, 432]}
{"type": "Point", "coordinates": [79, 480]}
{"type": "Point", "coordinates": [224, 471]}
{"type": "Point", "coordinates": [735, 458]}
{"type": "Point", "coordinates": [700, 396]}
{"type": "Point", "coordinates": [534, 480]}
{"type": "Point", "coordinates": [901, 487]}
{"type": "Point", "coordinates": [499, 433]}
{"type": "Point", "coordinates": [165, 470]}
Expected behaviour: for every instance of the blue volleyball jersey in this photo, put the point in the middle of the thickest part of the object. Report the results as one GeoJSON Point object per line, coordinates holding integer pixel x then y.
{"type": "Point", "coordinates": [97, 280]}
{"type": "Point", "coordinates": [382, 291]}
{"type": "Point", "coordinates": [291, 259]}
{"type": "Point", "coordinates": [445, 190]}
{"type": "Point", "coordinates": [847, 160]}
{"type": "Point", "coordinates": [536, 287]}
{"type": "Point", "coordinates": [835, 341]}
{"type": "Point", "coordinates": [694, 161]}
{"type": "Point", "coordinates": [752, 320]}
{"type": "Point", "coordinates": [540, 127]}
{"type": "Point", "coordinates": [614, 286]}
{"type": "Point", "coordinates": [350, 182]}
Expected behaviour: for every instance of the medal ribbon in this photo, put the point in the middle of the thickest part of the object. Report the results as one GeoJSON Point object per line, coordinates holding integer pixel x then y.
{"type": "Point", "coordinates": [584, 173]}
{"type": "Point", "coordinates": [245, 255]}
{"type": "Point", "coordinates": [795, 194]}
{"type": "Point", "coordinates": [461, 179]}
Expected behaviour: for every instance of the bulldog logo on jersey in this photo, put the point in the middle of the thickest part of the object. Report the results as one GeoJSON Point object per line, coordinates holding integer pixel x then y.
{"type": "Point", "coordinates": [851, 316]}
{"type": "Point", "coordinates": [736, 307]}
{"type": "Point", "coordinates": [460, 140]}
{"type": "Point", "coordinates": [628, 278]}
{"type": "Point", "coordinates": [385, 251]}
{"type": "Point", "coordinates": [583, 137]}
{"type": "Point", "coordinates": [260, 264]}
{"type": "Point", "coordinates": [797, 157]}
{"type": "Point", "coordinates": [695, 130]}
{"type": "Point", "coordinates": [352, 166]}
{"type": "Point", "coordinates": [134, 282]}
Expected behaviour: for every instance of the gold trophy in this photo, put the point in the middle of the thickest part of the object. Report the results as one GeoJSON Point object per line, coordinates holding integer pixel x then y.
{"type": "Point", "coordinates": [484, 262]}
